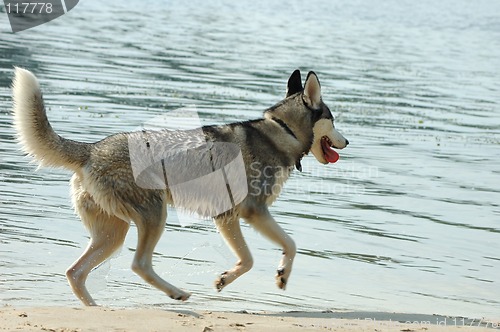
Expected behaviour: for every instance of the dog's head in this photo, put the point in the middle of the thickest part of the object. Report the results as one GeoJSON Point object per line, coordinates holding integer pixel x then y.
{"type": "Point", "coordinates": [325, 136]}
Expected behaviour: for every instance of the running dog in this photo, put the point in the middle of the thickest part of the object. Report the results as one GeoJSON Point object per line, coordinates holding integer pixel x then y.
{"type": "Point", "coordinates": [226, 172]}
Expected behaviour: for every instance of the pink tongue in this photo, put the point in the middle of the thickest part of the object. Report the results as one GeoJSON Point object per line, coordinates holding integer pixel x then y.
{"type": "Point", "coordinates": [330, 154]}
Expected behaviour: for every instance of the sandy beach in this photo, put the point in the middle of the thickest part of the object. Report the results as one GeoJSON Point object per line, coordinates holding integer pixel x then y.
{"type": "Point", "coordinates": [62, 319]}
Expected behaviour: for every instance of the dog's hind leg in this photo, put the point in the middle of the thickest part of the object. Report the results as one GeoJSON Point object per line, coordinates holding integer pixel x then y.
{"type": "Point", "coordinates": [230, 230]}
{"type": "Point", "coordinates": [107, 234]}
{"type": "Point", "coordinates": [149, 231]}
{"type": "Point", "coordinates": [262, 221]}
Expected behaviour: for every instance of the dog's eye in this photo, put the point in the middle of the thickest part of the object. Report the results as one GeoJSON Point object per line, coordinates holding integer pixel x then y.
{"type": "Point", "coordinates": [316, 115]}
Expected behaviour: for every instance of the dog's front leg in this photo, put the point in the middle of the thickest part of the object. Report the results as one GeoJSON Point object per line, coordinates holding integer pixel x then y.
{"type": "Point", "coordinates": [265, 224]}
{"type": "Point", "coordinates": [230, 230]}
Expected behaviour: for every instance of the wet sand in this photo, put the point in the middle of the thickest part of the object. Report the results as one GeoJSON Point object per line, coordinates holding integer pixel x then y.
{"type": "Point", "coordinates": [61, 319]}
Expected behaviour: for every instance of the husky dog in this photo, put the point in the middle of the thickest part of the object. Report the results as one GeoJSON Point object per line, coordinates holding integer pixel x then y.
{"type": "Point", "coordinates": [108, 192]}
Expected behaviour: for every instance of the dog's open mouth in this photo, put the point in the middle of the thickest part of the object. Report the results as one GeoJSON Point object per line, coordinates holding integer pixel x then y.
{"type": "Point", "coordinates": [330, 154]}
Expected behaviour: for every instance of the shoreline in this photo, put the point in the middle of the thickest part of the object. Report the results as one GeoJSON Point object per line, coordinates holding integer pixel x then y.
{"type": "Point", "coordinates": [64, 319]}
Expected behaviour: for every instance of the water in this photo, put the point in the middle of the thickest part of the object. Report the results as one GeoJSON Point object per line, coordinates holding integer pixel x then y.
{"type": "Point", "coordinates": [407, 220]}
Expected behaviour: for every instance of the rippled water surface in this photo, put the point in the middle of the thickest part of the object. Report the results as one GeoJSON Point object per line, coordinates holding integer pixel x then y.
{"type": "Point", "coordinates": [408, 220]}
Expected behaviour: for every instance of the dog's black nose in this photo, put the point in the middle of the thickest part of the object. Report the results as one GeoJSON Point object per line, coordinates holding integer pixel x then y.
{"type": "Point", "coordinates": [346, 142]}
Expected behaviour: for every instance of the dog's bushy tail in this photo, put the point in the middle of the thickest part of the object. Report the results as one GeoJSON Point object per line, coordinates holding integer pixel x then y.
{"type": "Point", "coordinates": [34, 131]}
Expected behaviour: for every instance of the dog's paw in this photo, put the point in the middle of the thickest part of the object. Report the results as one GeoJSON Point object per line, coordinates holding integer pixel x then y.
{"type": "Point", "coordinates": [180, 296]}
{"type": "Point", "coordinates": [281, 278]}
{"type": "Point", "coordinates": [220, 282]}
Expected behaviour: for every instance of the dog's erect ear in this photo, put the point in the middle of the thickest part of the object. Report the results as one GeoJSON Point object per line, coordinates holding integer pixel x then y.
{"type": "Point", "coordinates": [312, 91]}
{"type": "Point", "coordinates": [294, 83]}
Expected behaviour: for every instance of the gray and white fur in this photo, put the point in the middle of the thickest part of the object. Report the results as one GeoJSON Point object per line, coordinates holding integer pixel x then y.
{"type": "Point", "coordinates": [107, 193]}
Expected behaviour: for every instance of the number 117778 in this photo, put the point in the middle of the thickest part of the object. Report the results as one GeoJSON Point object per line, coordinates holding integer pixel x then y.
{"type": "Point", "coordinates": [29, 8]}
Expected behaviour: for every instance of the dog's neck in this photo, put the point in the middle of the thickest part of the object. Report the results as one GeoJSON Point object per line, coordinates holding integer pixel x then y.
{"type": "Point", "coordinates": [284, 126]}
{"type": "Point", "coordinates": [298, 164]}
